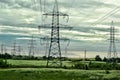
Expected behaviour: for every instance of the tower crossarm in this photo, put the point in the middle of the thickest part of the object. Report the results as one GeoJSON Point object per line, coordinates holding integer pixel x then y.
{"type": "Point", "coordinates": [47, 38]}
{"type": "Point", "coordinates": [55, 13]}
{"type": "Point", "coordinates": [61, 26]}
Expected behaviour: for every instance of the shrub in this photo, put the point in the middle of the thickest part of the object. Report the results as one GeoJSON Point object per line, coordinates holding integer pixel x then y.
{"type": "Point", "coordinates": [98, 58]}
{"type": "Point", "coordinates": [107, 72]}
{"type": "Point", "coordinates": [3, 64]}
{"type": "Point", "coordinates": [80, 66]}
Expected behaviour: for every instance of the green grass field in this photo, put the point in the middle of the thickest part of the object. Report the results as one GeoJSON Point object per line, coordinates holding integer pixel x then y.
{"type": "Point", "coordinates": [40, 73]}
{"type": "Point", "coordinates": [56, 74]}
{"type": "Point", "coordinates": [35, 63]}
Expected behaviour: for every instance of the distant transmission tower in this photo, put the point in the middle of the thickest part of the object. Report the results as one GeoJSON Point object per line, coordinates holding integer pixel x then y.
{"type": "Point", "coordinates": [19, 50]}
{"type": "Point", "coordinates": [2, 48]}
{"type": "Point", "coordinates": [31, 47]}
{"type": "Point", "coordinates": [112, 53]}
{"type": "Point", "coordinates": [85, 52]}
{"type": "Point", "coordinates": [13, 52]}
{"type": "Point", "coordinates": [46, 45]}
{"type": "Point", "coordinates": [5, 49]}
{"type": "Point", "coordinates": [54, 53]}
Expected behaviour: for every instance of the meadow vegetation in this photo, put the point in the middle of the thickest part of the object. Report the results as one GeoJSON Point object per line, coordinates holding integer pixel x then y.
{"type": "Point", "coordinates": [34, 68]}
{"type": "Point", "coordinates": [57, 74]}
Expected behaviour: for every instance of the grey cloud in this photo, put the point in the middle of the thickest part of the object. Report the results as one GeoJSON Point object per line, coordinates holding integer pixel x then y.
{"type": "Point", "coordinates": [82, 7]}
{"type": "Point", "coordinates": [8, 1]}
{"type": "Point", "coordinates": [84, 4]}
{"type": "Point", "coordinates": [88, 29]}
{"type": "Point", "coordinates": [18, 3]}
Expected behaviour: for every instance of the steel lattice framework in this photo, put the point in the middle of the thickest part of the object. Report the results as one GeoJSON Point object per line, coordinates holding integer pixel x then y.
{"type": "Point", "coordinates": [112, 53]}
{"type": "Point", "coordinates": [54, 49]}
{"type": "Point", "coordinates": [31, 47]}
{"type": "Point", "coordinates": [54, 53]}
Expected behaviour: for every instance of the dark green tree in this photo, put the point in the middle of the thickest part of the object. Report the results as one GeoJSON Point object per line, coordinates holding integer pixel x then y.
{"type": "Point", "coordinates": [104, 59]}
{"type": "Point", "coordinates": [98, 58]}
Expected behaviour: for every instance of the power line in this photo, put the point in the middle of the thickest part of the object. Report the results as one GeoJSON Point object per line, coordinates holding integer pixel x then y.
{"type": "Point", "coordinates": [71, 5]}
{"type": "Point", "coordinates": [115, 10]}
{"type": "Point", "coordinates": [41, 9]}
{"type": "Point", "coordinates": [87, 16]}
{"type": "Point", "coordinates": [44, 6]}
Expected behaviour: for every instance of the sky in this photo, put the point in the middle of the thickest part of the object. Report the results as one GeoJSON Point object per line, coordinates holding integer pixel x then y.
{"type": "Point", "coordinates": [90, 19]}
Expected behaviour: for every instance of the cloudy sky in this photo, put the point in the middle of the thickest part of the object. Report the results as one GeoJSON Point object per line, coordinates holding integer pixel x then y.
{"type": "Point", "coordinates": [90, 19]}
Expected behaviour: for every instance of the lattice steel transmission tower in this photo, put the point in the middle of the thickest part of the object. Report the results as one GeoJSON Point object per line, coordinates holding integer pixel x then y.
{"type": "Point", "coordinates": [14, 50]}
{"type": "Point", "coordinates": [19, 50]}
{"type": "Point", "coordinates": [54, 53]}
{"type": "Point", "coordinates": [112, 52]}
{"type": "Point", "coordinates": [85, 54]}
{"type": "Point", "coordinates": [2, 48]}
{"type": "Point", "coordinates": [31, 47]}
{"type": "Point", "coordinates": [46, 44]}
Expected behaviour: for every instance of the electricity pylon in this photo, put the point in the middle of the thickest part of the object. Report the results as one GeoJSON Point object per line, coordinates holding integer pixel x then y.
{"type": "Point", "coordinates": [85, 53]}
{"type": "Point", "coordinates": [46, 40]}
{"type": "Point", "coordinates": [2, 48]}
{"type": "Point", "coordinates": [31, 47]}
{"type": "Point", "coordinates": [54, 54]}
{"type": "Point", "coordinates": [19, 50]}
{"type": "Point", "coordinates": [14, 50]}
{"type": "Point", "coordinates": [112, 52]}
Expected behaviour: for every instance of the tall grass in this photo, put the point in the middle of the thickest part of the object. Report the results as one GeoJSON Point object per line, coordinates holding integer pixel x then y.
{"type": "Point", "coordinates": [56, 74]}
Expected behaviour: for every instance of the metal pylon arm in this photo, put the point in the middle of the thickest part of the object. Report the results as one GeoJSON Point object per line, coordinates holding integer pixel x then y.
{"type": "Point", "coordinates": [61, 26]}
{"type": "Point", "coordinates": [55, 13]}
{"type": "Point", "coordinates": [47, 38]}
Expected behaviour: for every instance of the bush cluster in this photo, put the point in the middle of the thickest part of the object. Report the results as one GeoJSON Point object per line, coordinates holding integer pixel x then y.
{"type": "Point", "coordinates": [96, 66]}
{"type": "Point", "coordinates": [3, 63]}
